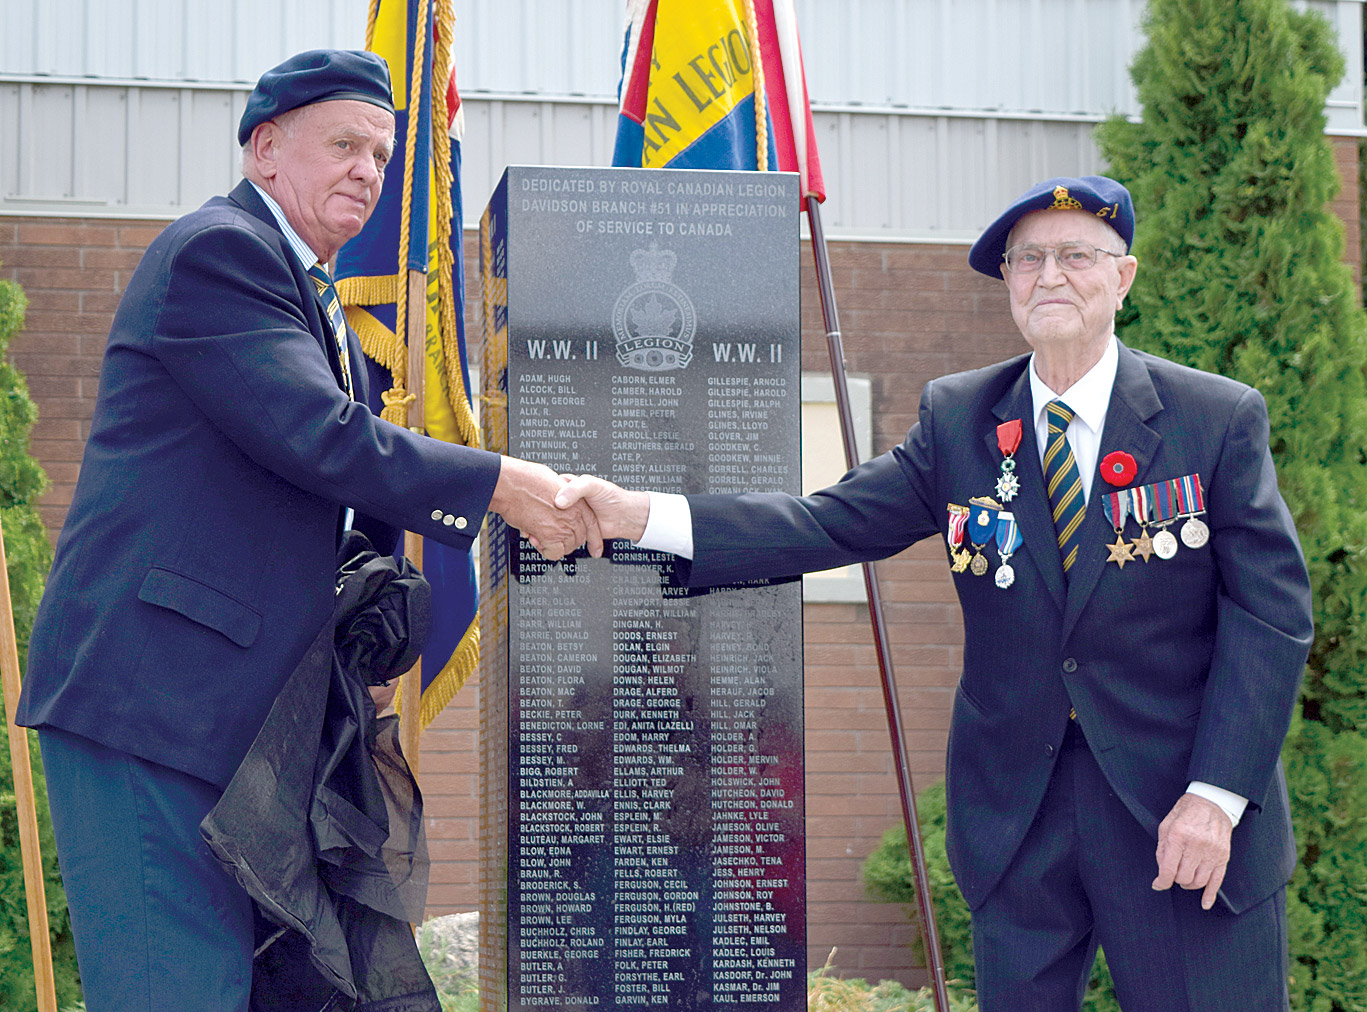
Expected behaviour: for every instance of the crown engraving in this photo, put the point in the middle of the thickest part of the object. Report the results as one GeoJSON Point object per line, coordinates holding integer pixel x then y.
{"type": "Point", "coordinates": [1063, 202]}
{"type": "Point", "coordinates": [653, 264]}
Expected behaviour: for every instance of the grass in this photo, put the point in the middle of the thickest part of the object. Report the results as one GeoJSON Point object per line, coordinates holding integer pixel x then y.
{"type": "Point", "coordinates": [829, 993]}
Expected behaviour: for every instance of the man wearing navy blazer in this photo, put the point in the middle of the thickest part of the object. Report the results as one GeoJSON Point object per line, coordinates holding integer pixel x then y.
{"type": "Point", "coordinates": [1124, 698]}
{"type": "Point", "coordinates": [229, 446]}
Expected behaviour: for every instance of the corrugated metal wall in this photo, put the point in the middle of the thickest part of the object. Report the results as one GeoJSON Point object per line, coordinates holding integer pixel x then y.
{"type": "Point", "coordinates": [926, 121]}
{"type": "Point", "coordinates": [1067, 56]}
{"type": "Point", "coordinates": [170, 40]}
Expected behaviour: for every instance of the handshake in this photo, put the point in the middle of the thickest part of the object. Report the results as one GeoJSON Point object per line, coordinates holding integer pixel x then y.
{"type": "Point", "coordinates": [559, 513]}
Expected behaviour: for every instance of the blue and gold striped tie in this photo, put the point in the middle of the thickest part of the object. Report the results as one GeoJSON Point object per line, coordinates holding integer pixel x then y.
{"type": "Point", "coordinates": [327, 294]}
{"type": "Point", "coordinates": [1064, 483]}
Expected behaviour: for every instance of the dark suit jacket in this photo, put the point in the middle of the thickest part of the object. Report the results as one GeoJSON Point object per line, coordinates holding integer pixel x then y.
{"type": "Point", "coordinates": [1182, 669]}
{"type": "Point", "coordinates": [198, 556]}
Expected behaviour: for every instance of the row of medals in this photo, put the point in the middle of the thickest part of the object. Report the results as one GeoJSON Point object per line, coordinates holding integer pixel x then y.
{"type": "Point", "coordinates": [1194, 534]}
{"type": "Point", "coordinates": [1143, 503]}
{"type": "Point", "coordinates": [976, 563]}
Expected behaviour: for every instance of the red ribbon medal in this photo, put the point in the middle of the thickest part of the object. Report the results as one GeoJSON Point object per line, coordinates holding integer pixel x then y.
{"type": "Point", "coordinates": [1008, 441]}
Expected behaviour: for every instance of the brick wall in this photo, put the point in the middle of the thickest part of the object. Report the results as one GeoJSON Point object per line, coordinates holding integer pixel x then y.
{"type": "Point", "coordinates": [908, 313]}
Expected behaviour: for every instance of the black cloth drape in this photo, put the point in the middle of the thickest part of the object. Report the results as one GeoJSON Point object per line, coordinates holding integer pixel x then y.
{"type": "Point", "coordinates": [322, 822]}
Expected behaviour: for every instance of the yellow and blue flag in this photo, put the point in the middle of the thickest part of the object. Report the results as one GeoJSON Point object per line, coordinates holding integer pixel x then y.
{"type": "Point", "coordinates": [421, 192]}
{"type": "Point", "coordinates": [690, 81]}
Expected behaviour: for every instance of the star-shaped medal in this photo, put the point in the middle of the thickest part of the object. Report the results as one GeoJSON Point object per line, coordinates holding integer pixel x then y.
{"type": "Point", "coordinates": [1007, 486]}
{"type": "Point", "coordinates": [1121, 552]}
{"type": "Point", "coordinates": [961, 560]}
{"type": "Point", "coordinates": [1143, 545]}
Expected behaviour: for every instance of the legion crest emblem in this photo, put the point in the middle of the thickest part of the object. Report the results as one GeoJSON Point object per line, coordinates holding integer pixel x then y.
{"type": "Point", "coordinates": [654, 320]}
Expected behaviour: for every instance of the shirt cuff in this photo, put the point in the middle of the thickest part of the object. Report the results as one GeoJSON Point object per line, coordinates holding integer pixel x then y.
{"type": "Point", "coordinates": [1230, 803]}
{"type": "Point", "coordinates": [669, 527]}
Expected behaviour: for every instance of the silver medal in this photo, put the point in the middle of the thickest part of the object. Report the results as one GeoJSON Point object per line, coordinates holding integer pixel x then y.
{"type": "Point", "coordinates": [1195, 533]}
{"type": "Point", "coordinates": [1165, 545]}
{"type": "Point", "coordinates": [1005, 575]}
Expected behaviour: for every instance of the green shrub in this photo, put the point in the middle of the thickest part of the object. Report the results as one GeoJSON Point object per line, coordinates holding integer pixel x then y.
{"type": "Point", "coordinates": [1242, 273]}
{"type": "Point", "coordinates": [28, 555]}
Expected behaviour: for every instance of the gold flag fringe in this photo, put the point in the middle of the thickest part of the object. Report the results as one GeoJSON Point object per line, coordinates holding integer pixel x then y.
{"type": "Point", "coordinates": [453, 677]}
{"type": "Point", "coordinates": [377, 340]}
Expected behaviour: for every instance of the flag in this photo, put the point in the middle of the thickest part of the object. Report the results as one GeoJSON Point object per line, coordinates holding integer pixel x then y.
{"type": "Point", "coordinates": [372, 272]}
{"type": "Point", "coordinates": [689, 84]}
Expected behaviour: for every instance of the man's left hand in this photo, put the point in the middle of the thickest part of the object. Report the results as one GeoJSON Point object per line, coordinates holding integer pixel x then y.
{"type": "Point", "coordinates": [1193, 847]}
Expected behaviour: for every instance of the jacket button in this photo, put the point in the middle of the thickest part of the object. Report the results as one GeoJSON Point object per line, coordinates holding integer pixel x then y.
{"type": "Point", "coordinates": [461, 523]}
{"type": "Point", "coordinates": [448, 520]}
{"type": "Point", "coordinates": [1048, 749]}
{"type": "Point", "coordinates": [436, 514]}
{"type": "Point", "coordinates": [1069, 665]}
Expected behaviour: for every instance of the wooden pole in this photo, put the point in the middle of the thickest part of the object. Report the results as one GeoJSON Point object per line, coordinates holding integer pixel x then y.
{"type": "Point", "coordinates": [27, 809]}
{"type": "Point", "coordinates": [410, 688]}
{"type": "Point", "coordinates": [934, 960]}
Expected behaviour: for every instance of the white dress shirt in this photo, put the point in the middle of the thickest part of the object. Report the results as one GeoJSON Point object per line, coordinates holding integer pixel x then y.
{"type": "Point", "coordinates": [1088, 398]}
{"type": "Point", "coordinates": [669, 527]}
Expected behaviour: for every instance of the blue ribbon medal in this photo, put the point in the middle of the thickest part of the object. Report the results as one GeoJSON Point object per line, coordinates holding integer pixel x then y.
{"type": "Point", "coordinates": [1008, 540]}
{"type": "Point", "coordinates": [982, 526]}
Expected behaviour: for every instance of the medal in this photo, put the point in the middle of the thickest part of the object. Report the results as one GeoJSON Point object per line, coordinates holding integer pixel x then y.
{"type": "Point", "coordinates": [1117, 507]}
{"type": "Point", "coordinates": [1008, 540]}
{"type": "Point", "coordinates": [1121, 552]}
{"type": "Point", "coordinates": [1163, 509]}
{"type": "Point", "coordinates": [1191, 503]}
{"type": "Point", "coordinates": [1008, 441]}
{"type": "Point", "coordinates": [958, 521]}
{"type": "Point", "coordinates": [982, 524]}
{"type": "Point", "coordinates": [1139, 506]}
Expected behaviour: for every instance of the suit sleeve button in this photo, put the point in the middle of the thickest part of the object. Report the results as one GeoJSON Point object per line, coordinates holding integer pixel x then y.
{"type": "Point", "coordinates": [436, 514]}
{"type": "Point", "coordinates": [1069, 665]}
{"type": "Point", "coordinates": [461, 523]}
{"type": "Point", "coordinates": [448, 520]}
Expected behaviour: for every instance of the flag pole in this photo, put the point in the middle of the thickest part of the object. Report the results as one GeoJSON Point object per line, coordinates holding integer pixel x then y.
{"type": "Point", "coordinates": [934, 960]}
{"type": "Point", "coordinates": [411, 319]}
{"type": "Point", "coordinates": [25, 805]}
{"type": "Point", "coordinates": [410, 703]}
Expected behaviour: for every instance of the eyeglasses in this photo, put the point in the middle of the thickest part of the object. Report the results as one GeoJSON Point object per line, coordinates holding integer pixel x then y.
{"type": "Point", "coordinates": [1028, 258]}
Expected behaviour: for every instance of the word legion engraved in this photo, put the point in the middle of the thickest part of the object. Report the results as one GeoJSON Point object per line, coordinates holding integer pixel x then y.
{"type": "Point", "coordinates": [643, 791]}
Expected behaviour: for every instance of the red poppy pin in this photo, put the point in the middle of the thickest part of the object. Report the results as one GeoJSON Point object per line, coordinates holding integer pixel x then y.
{"type": "Point", "coordinates": [1118, 468]}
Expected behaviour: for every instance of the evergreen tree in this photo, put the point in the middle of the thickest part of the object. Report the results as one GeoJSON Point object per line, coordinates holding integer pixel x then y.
{"type": "Point", "coordinates": [1242, 273]}
{"type": "Point", "coordinates": [28, 555]}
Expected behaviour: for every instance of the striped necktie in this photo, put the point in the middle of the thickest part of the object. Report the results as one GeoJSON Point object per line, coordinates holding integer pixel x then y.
{"type": "Point", "coordinates": [332, 304]}
{"type": "Point", "coordinates": [1064, 483]}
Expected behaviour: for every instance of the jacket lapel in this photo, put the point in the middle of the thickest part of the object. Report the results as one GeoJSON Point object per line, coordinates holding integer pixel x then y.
{"type": "Point", "coordinates": [244, 195]}
{"type": "Point", "coordinates": [1133, 402]}
{"type": "Point", "coordinates": [1031, 505]}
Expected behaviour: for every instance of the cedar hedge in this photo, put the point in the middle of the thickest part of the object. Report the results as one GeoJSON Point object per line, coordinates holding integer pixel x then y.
{"type": "Point", "coordinates": [28, 555]}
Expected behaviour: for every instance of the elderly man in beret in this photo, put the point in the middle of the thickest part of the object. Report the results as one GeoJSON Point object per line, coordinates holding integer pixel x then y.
{"type": "Point", "coordinates": [230, 446]}
{"type": "Point", "coordinates": [1124, 697]}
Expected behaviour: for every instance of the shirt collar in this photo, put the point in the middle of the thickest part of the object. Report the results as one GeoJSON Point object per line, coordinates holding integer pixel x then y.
{"type": "Point", "coordinates": [301, 249]}
{"type": "Point", "coordinates": [1089, 397]}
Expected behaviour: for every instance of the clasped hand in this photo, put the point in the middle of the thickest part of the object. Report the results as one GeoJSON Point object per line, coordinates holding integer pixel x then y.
{"type": "Point", "coordinates": [524, 498]}
{"type": "Point", "coordinates": [560, 513]}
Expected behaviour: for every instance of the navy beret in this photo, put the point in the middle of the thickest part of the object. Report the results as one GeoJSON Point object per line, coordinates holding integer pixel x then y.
{"type": "Point", "coordinates": [1104, 197]}
{"type": "Point", "coordinates": [320, 75]}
